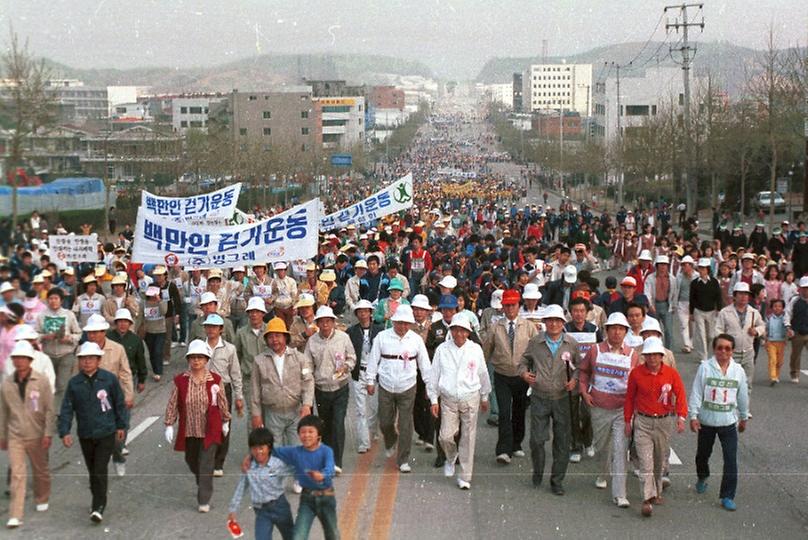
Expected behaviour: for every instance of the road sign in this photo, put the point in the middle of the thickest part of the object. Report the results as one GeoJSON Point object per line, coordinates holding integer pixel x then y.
{"type": "Point", "coordinates": [782, 185]}
{"type": "Point", "coordinates": [341, 160]}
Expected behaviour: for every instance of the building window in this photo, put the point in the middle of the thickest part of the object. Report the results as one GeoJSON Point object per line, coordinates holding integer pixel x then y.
{"type": "Point", "coordinates": [183, 123]}
{"type": "Point", "coordinates": [267, 115]}
{"type": "Point", "coordinates": [253, 98]}
{"type": "Point", "coordinates": [304, 131]}
{"type": "Point", "coordinates": [267, 147]}
{"type": "Point", "coordinates": [183, 110]}
{"type": "Point", "coordinates": [197, 124]}
{"type": "Point", "coordinates": [637, 110]}
{"type": "Point", "coordinates": [304, 114]}
{"type": "Point", "coordinates": [303, 147]}
{"type": "Point", "coordinates": [267, 131]}
{"type": "Point", "coordinates": [195, 110]}
{"type": "Point", "coordinates": [653, 110]}
{"type": "Point", "coordinates": [242, 131]}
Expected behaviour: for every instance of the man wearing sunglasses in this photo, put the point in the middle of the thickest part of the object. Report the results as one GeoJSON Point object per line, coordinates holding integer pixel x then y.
{"type": "Point", "coordinates": [719, 405]}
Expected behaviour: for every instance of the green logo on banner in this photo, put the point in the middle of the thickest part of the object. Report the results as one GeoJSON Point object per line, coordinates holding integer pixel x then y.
{"type": "Point", "coordinates": [401, 195]}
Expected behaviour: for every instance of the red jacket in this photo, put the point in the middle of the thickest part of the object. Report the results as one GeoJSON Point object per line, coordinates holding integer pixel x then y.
{"type": "Point", "coordinates": [213, 424]}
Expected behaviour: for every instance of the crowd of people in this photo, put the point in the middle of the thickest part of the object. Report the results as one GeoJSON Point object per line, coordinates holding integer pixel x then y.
{"type": "Point", "coordinates": [468, 304]}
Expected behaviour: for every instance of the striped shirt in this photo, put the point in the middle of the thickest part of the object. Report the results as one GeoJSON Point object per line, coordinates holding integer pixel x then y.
{"type": "Point", "coordinates": [196, 406]}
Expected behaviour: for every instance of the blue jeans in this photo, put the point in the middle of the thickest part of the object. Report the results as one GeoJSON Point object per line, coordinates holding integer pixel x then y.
{"type": "Point", "coordinates": [274, 513]}
{"type": "Point", "coordinates": [154, 343]}
{"type": "Point", "coordinates": [493, 410]}
{"type": "Point", "coordinates": [728, 436]}
{"type": "Point", "coordinates": [665, 317]}
{"type": "Point", "coordinates": [324, 507]}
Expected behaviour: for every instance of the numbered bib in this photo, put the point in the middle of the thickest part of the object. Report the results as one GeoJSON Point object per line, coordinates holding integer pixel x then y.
{"type": "Point", "coordinates": [152, 313]}
{"type": "Point", "coordinates": [418, 265]}
{"type": "Point", "coordinates": [720, 395]}
{"type": "Point", "coordinates": [611, 373]}
{"type": "Point", "coordinates": [262, 291]}
{"type": "Point", "coordinates": [89, 307]}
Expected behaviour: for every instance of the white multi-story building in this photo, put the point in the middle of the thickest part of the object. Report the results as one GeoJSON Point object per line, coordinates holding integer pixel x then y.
{"type": "Point", "coordinates": [342, 121]}
{"type": "Point", "coordinates": [558, 86]}
{"type": "Point", "coordinates": [189, 112]}
{"type": "Point", "coordinates": [500, 93]}
{"type": "Point", "coordinates": [117, 95]}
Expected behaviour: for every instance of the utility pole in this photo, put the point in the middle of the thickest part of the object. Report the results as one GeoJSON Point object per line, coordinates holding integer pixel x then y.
{"type": "Point", "coordinates": [561, 147]}
{"type": "Point", "coordinates": [689, 180]}
{"type": "Point", "coordinates": [621, 178]}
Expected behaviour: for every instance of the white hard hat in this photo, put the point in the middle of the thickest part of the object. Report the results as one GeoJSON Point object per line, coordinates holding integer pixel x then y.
{"type": "Point", "coordinates": [531, 292]}
{"type": "Point", "coordinates": [403, 314]}
{"type": "Point", "coordinates": [22, 348]}
{"type": "Point", "coordinates": [24, 332]}
{"type": "Point", "coordinates": [90, 348]}
{"type": "Point", "coordinates": [704, 262]}
{"type": "Point", "coordinates": [95, 323]}
{"type": "Point", "coordinates": [207, 298]}
{"type": "Point", "coordinates": [553, 311]}
{"type": "Point", "coordinates": [363, 304]}
{"type": "Point", "coordinates": [460, 320]}
{"type": "Point", "coordinates": [7, 286]}
{"type": "Point", "coordinates": [123, 315]}
{"type": "Point", "coordinates": [617, 319]}
{"type": "Point", "coordinates": [421, 301]}
{"type": "Point", "coordinates": [662, 259]}
{"type": "Point", "coordinates": [645, 255]}
{"type": "Point", "coordinates": [256, 303]}
{"type": "Point", "coordinates": [741, 287]}
{"type": "Point", "coordinates": [450, 282]}
{"type": "Point", "coordinates": [687, 259]}
{"type": "Point", "coordinates": [804, 281]}
{"type": "Point", "coordinates": [496, 299]}
{"type": "Point", "coordinates": [570, 274]}
{"type": "Point", "coordinates": [198, 346]}
{"type": "Point", "coordinates": [650, 324]}
{"type": "Point", "coordinates": [324, 312]}
{"type": "Point", "coordinates": [653, 345]}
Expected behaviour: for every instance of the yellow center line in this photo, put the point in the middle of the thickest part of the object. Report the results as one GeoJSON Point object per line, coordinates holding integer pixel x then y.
{"type": "Point", "coordinates": [355, 496]}
{"type": "Point", "coordinates": [385, 501]}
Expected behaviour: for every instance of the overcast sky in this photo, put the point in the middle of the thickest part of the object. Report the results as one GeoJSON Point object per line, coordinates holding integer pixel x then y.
{"type": "Point", "coordinates": [453, 37]}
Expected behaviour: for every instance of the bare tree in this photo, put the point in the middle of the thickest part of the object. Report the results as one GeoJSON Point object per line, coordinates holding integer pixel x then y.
{"type": "Point", "coordinates": [29, 107]}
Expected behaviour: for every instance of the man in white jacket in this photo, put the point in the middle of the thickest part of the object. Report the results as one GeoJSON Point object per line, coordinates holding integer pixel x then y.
{"type": "Point", "coordinates": [459, 377]}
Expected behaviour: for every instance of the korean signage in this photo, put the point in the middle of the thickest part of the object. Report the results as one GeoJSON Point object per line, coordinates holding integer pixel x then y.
{"type": "Point", "coordinates": [337, 101]}
{"type": "Point", "coordinates": [397, 196]}
{"type": "Point", "coordinates": [341, 160]}
{"type": "Point", "coordinates": [217, 204]}
{"type": "Point", "coordinates": [287, 236]}
{"type": "Point", "coordinates": [69, 248]}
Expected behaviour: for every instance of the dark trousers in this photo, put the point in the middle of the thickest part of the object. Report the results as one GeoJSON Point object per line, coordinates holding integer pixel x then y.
{"type": "Point", "coordinates": [96, 457]}
{"type": "Point", "coordinates": [542, 412]}
{"type": "Point", "coordinates": [422, 413]}
{"type": "Point", "coordinates": [332, 407]}
{"type": "Point", "coordinates": [728, 436]}
{"type": "Point", "coordinates": [512, 400]}
{"type": "Point", "coordinates": [275, 513]}
{"type": "Point", "coordinates": [154, 343]}
{"type": "Point", "coordinates": [581, 424]}
{"type": "Point", "coordinates": [221, 451]}
{"type": "Point", "coordinates": [117, 452]}
{"type": "Point", "coordinates": [200, 461]}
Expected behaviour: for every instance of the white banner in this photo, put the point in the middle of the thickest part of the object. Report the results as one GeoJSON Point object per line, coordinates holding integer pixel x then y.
{"type": "Point", "coordinates": [214, 205]}
{"type": "Point", "coordinates": [287, 236]}
{"type": "Point", "coordinates": [70, 248]}
{"type": "Point", "coordinates": [397, 196]}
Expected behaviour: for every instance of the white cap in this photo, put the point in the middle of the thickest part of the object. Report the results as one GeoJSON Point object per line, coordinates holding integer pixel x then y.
{"type": "Point", "coordinates": [531, 292]}
{"type": "Point", "coordinates": [617, 319]}
{"type": "Point", "coordinates": [450, 282]}
{"type": "Point", "coordinates": [25, 331]}
{"type": "Point", "coordinates": [570, 274]}
{"type": "Point", "coordinates": [461, 321]}
{"type": "Point", "coordinates": [553, 311]}
{"type": "Point", "coordinates": [650, 324]}
{"type": "Point", "coordinates": [704, 261]}
{"type": "Point", "coordinates": [238, 269]}
{"type": "Point", "coordinates": [743, 287]}
{"type": "Point", "coordinates": [403, 314]}
{"type": "Point", "coordinates": [95, 323]}
{"type": "Point", "coordinates": [198, 346]}
{"type": "Point", "coordinates": [257, 303]}
{"type": "Point", "coordinates": [804, 281]}
{"type": "Point", "coordinates": [90, 348]}
{"type": "Point", "coordinates": [421, 301]}
{"type": "Point", "coordinates": [361, 263]}
{"type": "Point", "coordinates": [645, 255]}
{"type": "Point", "coordinates": [363, 304]}
{"type": "Point", "coordinates": [6, 286]}
{"type": "Point", "coordinates": [207, 297]}
{"type": "Point", "coordinates": [653, 345]}
{"type": "Point", "coordinates": [688, 259]}
{"type": "Point", "coordinates": [324, 312]}
{"type": "Point", "coordinates": [123, 315]}
{"type": "Point", "coordinates": [305, 300]}
{"type": "Point", "coordinates": [280, 265]}
{"type": "Point", "coordinates": [662, 259]}
{"type": "Point", "coordinates": [496, 299]}
{"type": "Point", "coordinates": [22, 348]}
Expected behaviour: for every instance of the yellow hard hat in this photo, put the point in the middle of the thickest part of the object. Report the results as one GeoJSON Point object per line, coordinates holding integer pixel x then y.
{"type": "Point", "coordinates": [276, 325]}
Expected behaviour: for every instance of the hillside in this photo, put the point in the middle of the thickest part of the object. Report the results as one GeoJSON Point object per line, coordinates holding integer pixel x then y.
{"type": "Point", "coordinates": [250, 73]}
{"type": "Point", "coordinates": [729, 63]}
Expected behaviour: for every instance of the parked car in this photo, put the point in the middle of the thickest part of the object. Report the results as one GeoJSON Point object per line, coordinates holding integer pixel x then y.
{"type": "Point", "coordinates": [762, 201]}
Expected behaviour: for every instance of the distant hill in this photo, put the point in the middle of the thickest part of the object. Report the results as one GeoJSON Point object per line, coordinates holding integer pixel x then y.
{"type": "Point", "coordinates": [251, 73]}
{"type": "Point", "coordinates": [727, 62]}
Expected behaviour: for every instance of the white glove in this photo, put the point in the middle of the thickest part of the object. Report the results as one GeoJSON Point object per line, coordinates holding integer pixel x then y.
{"type": "Point", "coordinates": [225, 428]}
{"type": "Point", "coordinates": [169, 434]}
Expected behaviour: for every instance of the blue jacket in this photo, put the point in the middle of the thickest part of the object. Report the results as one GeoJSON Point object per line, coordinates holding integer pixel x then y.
{"type": "Point", "coordinates": [97, 403]}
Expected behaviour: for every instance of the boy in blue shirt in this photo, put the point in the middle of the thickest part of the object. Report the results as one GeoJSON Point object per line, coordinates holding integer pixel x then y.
{"type": "Point", "coordinates": [314, 471]}
{"type": "Point", "coordinates": [264, 477]}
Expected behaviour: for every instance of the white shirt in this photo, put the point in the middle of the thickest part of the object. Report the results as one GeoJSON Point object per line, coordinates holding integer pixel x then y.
{"type": "Point", "coordinates": [458, 372]}
{"type": "Point", "coordinates": [278, 360]}
{"type": "Point", "coordinates": [394, 359]}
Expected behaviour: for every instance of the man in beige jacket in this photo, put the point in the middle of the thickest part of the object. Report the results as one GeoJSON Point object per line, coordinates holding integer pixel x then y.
{"type": "Point", "coordinates": [26, 424]}
{"type": "Point", "coordinates": [744, 323]}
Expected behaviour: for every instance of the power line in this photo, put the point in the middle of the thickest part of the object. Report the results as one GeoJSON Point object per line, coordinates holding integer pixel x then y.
{"type": "Point", "coordinates": [662, 16]}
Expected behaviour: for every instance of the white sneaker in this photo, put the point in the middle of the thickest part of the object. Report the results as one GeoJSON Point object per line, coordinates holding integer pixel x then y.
{"type": "Point", "coordinates": [183, 344]}
{"type": "Point", "coordinates": [405, 468]}
{"type": "Point", "coordinates": [795, 380]}
{"type": "Point", "coordinates": [429, 446]}
{"type": "Point", "coordinates": [297, 488]}
{"type": "Point", "coordinates": [504, 459]}
{"type": "Point", "coordinates": [218, 473]}
{"type": "Point", "coordinates": [575, 457]}
{"type": "Point", "coordinates": [166, 362]}
{"type": "Point", "coordinates": [204, 508]}
{"type": "Point", "coordinates": [518, 453]}
{"type": "Point", "coordinates": [120, 469]}
{"type": "Point", "coordinates": [96, 517]}
{"type": "Point", "coordinates": [43, 507]}
{"type": "Point", "coordinates": [590, 451]}
{"type": "Point", "coordinates": [600, 483]}
{"type": "Point", "coordinates": [636, 473]}
{"type": "Point", "coordinates": [621, 502]}
{"type": "Point", "coordinates": [337, 470]}
{"type": "Point", "coordinates": [666, 481]}
{"type": "Point", "coordinates": [448, 469]}
{"type": "Point", "coordinates": [462, 484]}
{"type": "Point", "coordinates": [125, 451]}
{"type": "Point", "coordinates": [13, 523]}
{"type": "Point", "coordinates": [362, 450]}
{"type": "Point", "coordinates": [390, 452]}
{"type": "Point", "coordinates": [419, 442]}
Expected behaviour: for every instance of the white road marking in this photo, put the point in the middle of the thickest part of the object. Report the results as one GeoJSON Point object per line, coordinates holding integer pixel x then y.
{"type": "Point", "coordinates": [804, 371]}
{"type": "Point", "coordinates": [674, 460]}
{"type": "Point", "coordinates": [144, 425]}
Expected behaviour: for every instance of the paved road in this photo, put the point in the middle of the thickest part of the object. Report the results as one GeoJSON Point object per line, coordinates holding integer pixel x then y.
{"type": "Point", "coordinates": [157, 497]}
